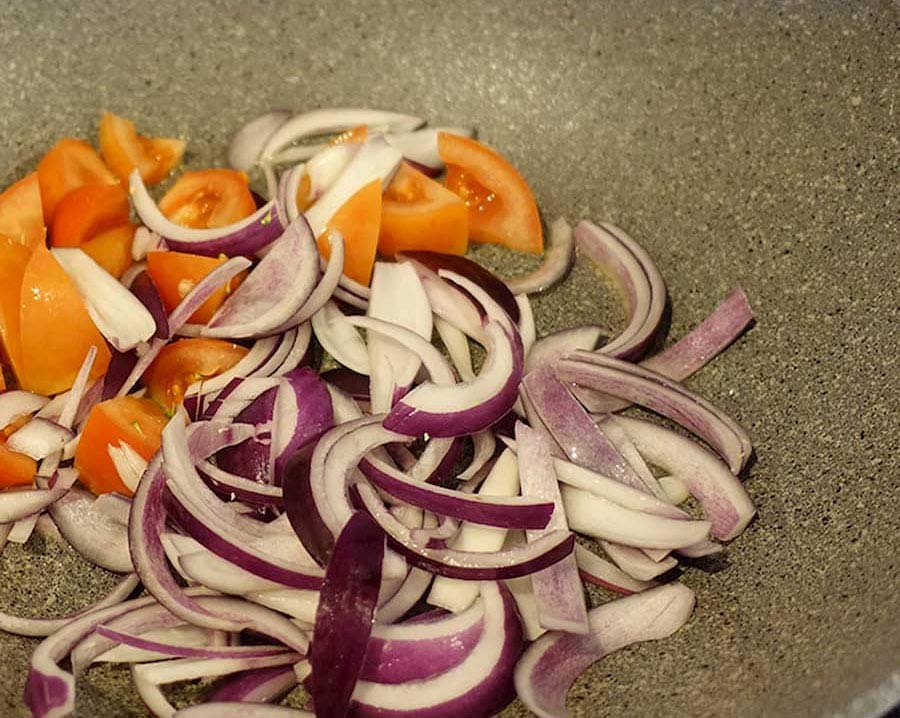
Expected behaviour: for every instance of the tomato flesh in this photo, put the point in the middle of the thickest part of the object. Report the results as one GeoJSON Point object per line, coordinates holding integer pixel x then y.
{"type": "Point", "coordinates": [69, 164]}
{"type": "Point", "coordinates": [124, 150]}
{"type": "Point", "coordinates": [111, 248]}
{"type": "Point", "coordinates": [177, 273]}
{"type": "Point", "coordinates": [21, 213]}
{"type": "Point", "coordinates": [87, 211]}
{"type": "Point", "coordinates": [15, 469]}
{"type": "Point", "coordinates": [359, 221]}
{"type": "Point", "coordinates": [13, 260]}
{"type": "Point", "coordinates": [209, 198]}
{"type": "Point", "coordinates": [137, 422]}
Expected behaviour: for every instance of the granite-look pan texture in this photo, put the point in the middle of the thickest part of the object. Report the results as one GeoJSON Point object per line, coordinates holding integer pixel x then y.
{"type": "Point", "coordinates": [752, 144]}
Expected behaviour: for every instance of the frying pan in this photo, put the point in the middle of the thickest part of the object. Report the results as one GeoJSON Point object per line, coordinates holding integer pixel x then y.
{"type": "Point", "coordinates": [752, 144]}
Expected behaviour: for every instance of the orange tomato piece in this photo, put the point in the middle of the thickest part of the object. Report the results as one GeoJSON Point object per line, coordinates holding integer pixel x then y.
{"type": "Point", "coordinates": [21, 213]}
{"type": "Point", "coordinates": [13, 260]}
{"type": "Point", "coordinates": [358, 220]}
{"type": "Point", "coordinates": [15, 469]}
{"type": "Point", "coordinates": [55, 328]}
{"type": "Point", "coordinates": [68, 165]}
{"type": "Point", "coordinates": [111, 248]}
{"type": "Point", "coordinates": [86, 211]}
{"type": "Point", "coordinates": [419, 213]}
{"type": "Point", "coordinates": [137, 422]}
{"type": "Point", "coordinates": [185, 362]}
{"type": "Point", "coordinates": [502, 209]}
{"type": "Point", "coordinates": [176, 273]}
{"type": "Point", "coordinates": [124, 150]}
{"type": "Point", "coordinates": [2, 378]}
{"type": "Point", "coordinates": [209, 198]}
{"type": "Point", "coordinates": [355, 135]}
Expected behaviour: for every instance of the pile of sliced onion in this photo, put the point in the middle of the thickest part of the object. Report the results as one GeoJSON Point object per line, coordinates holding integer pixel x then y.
{"type": "Point", "coordinates": [301, 527]}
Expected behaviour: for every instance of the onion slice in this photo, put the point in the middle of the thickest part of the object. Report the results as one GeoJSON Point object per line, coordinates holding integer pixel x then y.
{"type": "Point", "coordinates": [601, 572]}
{"type": "Point", "coordinates": [558, 260]}
{"type": "Point", "coordinates": [339, 338]}
{"type": "Point", "coordinates": [247, 143]}
{"type": "Point", "coordinates": [39, 438]}
{"type": "Point", "coordinates": [548, 349]}
{"type": "Point", "coordinates": [552, 663]}
{"type": "Point", "coordinates": [16, 403]}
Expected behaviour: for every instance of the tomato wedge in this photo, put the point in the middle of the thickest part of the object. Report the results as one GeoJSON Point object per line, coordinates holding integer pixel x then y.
{"type": "Point", "coordinates": [21, 214]}
{"type": "Point", "coordinates": [87, 211]}
{"type": "Point", "coordinates": [55, 328]}
{"type": "Point", "coordinates": [184, 362]}
{"type": "Point", "coordinates": [13, 260]}
{"type": "Point", "coordinates": [358, 220]}
{"type": "Point", "coordinates": [209, 198]}
{"type": "Point", "coordinates": [15, 469]}
{"type": "Point", "coordinates": [137, 422]}
{"type": "Point", "coordinates": [176, 273]}
{"type": "Point", "coordinates": [124, 150]}
{"type": "Point", "coordinates": [68, 165]}
{"type": "Point", "coordinates": [502, 209]}
{"type": "Point", "coordinates": [419, 213]}
{"type": "Point", "coordinates": [111, 248]}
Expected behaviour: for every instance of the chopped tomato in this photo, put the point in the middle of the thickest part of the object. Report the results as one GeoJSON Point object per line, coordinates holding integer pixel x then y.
{"type": "Point", "coordinates": [185, 362]}
{"type": "Point", "coordinates": [502, 209]}
{"type": "Point", "coordinates": [86, 211]}
{"type": "Point", "coordinates": [21, 214]}
{"type": "Point", "coordinates": [55, 328]}
{"type": "Point", "coordinates": [124, 150]}
{"type": "Point", "coordinates": [358, 220]}
{"type": "Point", "coordinates": [13, 260]}
{"type": "Point", "coordinates": [15, 469]}
{"type": "Point", "coordinates": [419, 213]}
{"type": "Point", "coordinates": [2, 378]}
{"type": "Point", "coordinates": [176, 273]}
{"type": "Point", "coordinates": [137, 422]}
{"type": "Point", "coordinates": [111, 248]}
{"type": "Point", "coordinates": [209, 198]}
{"type": "Point", "coordinates": [68, 165]}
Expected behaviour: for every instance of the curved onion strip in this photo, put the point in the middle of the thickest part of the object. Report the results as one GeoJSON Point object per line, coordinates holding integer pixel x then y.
{"type": "Point", "coordinates": [247, 143]}
{"type": "Point", "coordinates": [553, 662]}
{"type": "Point", "coordinates": [39, 438]}
{"type": "Point", "coordinates": [558, 260]}
{"type": "Point", "coordinates": [457, 346]}
{"type": "Point", "coordinates": [448, 302]}
{"type": "Point", "coordinates": [240, 488]}
{"type": "Point", "coordinates": [16, 403]}
{"type": "Point", "coordinates": [435, 364]}
{"type": "Point", "coordinates": [548, 349]}
{"type": "Point", "coordinates": [258, 686]}
{"type": "Point", "coordinates": [635, 562]}
{"type": "Point", "coordinates": [601, 572]}
{"type": "Point", "coordinates": [338, 337]}
{"type": "Point", "coordinates": [172, 649]}
{"type": "Point", "coordinates": [484, 446]}
{"type": "Point", "coordinates": [95, 535]}
{"type": "Point", "coordinates": [663, 396]}
{"type": "Point", "coordinates": [239, 709]}
{"type": "Point", "coordinates": [408, 595]}
{"type": "Point", "coordinates": [639, 280]}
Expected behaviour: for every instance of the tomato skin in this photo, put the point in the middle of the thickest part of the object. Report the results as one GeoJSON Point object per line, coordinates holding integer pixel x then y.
{"type": "Point", "coordinates": [86, 211]}
{"type": "Point", "coordinates": [13, 260]}
{"type": "Point", "coordinates": [55, 328]}
{"type": "Point", "coordinates": [502, 208]}
{"type": "Point", "coordinates": [138, 422]}
{"type": "Point", "coordinates": [69, 164]}
{"type": "Point", "coordinates": [15, 469]}
{"type": "Point", "coordinates": [124, 150]}
{"type": "Point", "coordinates": [184, 362]}
{"type": "Point", "coordinates": [208, 198]}
{"type": "Point", "coordinates": [359, 221]}
{"type": "Point", "coordinates": [176, 273]}
{"type": "Point", "coordinates": [419, 213]}
{"type": "Point", "coordinates": [111, 248]}
{"type": "Point", "coordinates": [21, 212]}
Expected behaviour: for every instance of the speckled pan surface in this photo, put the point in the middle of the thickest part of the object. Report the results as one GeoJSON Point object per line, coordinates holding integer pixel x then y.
{"type": "Point", "coordinates": [752, 144]}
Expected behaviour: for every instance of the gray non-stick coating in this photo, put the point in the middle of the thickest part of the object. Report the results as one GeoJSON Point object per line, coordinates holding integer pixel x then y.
{"type": "Point", "coordinates": [750, 144]}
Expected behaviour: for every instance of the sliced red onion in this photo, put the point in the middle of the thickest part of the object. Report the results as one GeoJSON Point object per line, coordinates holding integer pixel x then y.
{"type": "Point", "coordinates": [446, 411]}
{"type": "Point", "coordinates": [39, 438]}
{"type": "Point", "coordinates": [478, 687]}
{"type": "Point", "coordinates": [247, 143]}
{"type": "Point", "coordinates": [351, 299]}
{"type": "Point", "coordinates": [179, 651]}
{"type": "Point", "coordinates": [18, 504]}
{"type": "Point", "coordinates": [118, 314]}
{"type": "Point", "coordinates": [636, 563]}
{"type": "Point", "coordinates": [421, 146]}
{"type": "Point", "coordinates": [145, 290]}
{"type": "Point", "coordinates": [245, 237]}
{"type": "Point", "coordinates": [301, 508]}
{"type": "Point", "coordinates": [484, 445]}
{"type": "Point", "coordinates": [240, 709]}
{"type": "Point", "coordinates": [253, 459]}
{"type": "Point", "coordinates": [92, 532]}
{"type": "Point", "coordinates": [345, 615]}
{"type": "Point", "coordinates": [502, 480]}
{"type": "Point", "coordinates": [552, 663]}
{"type": "Point", "coordinates": [145, 240]}
{"type": "Point", "coordinates": [408, 595]}
{"type": "Point", "coordinates": [277, 357]}
{"type": "Point", "coordinates": [321, 171]}
{"type": "Point", "coordinates": [676, 490]}
{"type": "Point", "coordinates": [330, 121]}
{"type": "Point", "coordinates": [301, 605]}
{"type": "Point", "coordinates": [348, 381]}
{"type": "Point", "coordinates": [574, 429]}
{"type": "Point", "coordinates": [617, 436]}
{"type": "Point", "coordinates": [527, 328]}
{"type": "Point", "coordinates": [339, 338]}
{"type": "Point", "coordinates": [237, 396]}
{"type": "Point", "coordinates": [130, 465]}
{"type": "Point", "coordinates": [721, 494]}
{"type": "Point", "coordinates": [448, 302]}
{"type": "Point", "coordinates": [638, 278]}
{"type": "Point", "coordinates": [262, 685]}
{"type": "Point", "coordinates": [557, 589]}
{"type": "Point", "coordinates": [274, 291]}
{"type": "Point", "coordinates": [601, 572]}
{"type": "Point", "coordinates": [397, 297]}
{"type": "Point", "coordinates": [701, 549]}
{"type": "Point", "coordinates": [207, 569]}
{"type": "Point", "coordinates": [375, 159]}
{"type": "Point", "coordinates": [303, 413]}
{"type": "Point", "coordinates": [457, 346]}
{"type": "Point", "coordinates": [474, 272]}
{"type": "Point", "coordinates": [598, 517]}
{"type": "Point", "coordinates": [420, 649]}
{"type": "Point", "coordinates": [663, 396]}
{"type": "Point", "coordinates": [524, 596]}
{"type": "Point", "coordinates": [558, 260]}
{"type": "Point", "coordinates": [297, 351]}
{"type": "Point", "coordinates": [182, 634]}
{"type": "Point", "coordinates": [15, 404]}
{"type": "Point", "coordinates": [113, 506]}
{"type": "Point", "coordinates": [433, 361]}
{"type": "Point", "coordinates": [192, 301]}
